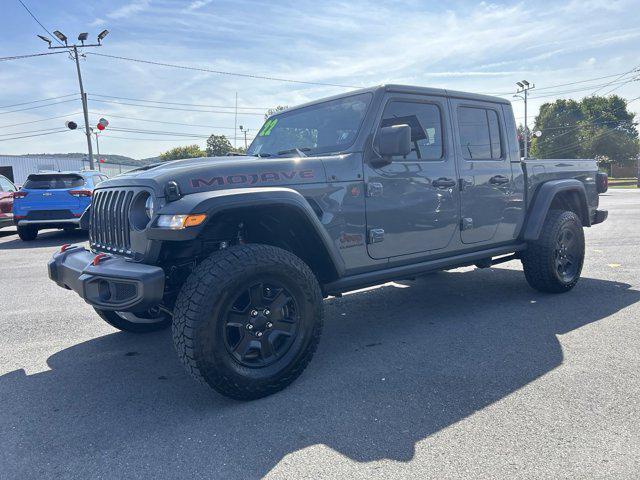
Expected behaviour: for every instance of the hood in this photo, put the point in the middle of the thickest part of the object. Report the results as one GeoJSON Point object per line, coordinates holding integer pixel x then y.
{"type": "Point", "coordinates": [215, 173]}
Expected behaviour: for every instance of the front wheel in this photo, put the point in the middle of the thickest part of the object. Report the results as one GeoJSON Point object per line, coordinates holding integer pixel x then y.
{"type": "Point", "coordinates": [247, 320]}
{"type": "Point", "coordinates": [553, 263]}
{"type": "Point", "coordinates": [146, 322]}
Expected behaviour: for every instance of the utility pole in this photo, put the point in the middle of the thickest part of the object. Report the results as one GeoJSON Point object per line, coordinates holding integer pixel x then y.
{"type": "Point", "coordinates": [235, 125]}
{"type": "Point", "coordinates": [74, 48]}
{"type": "Point", "coordinates": [97, 148]}
{"type": "Point", "coordinates": [245, 131]}
{"type": "Point", "coordinates": [524, 87]}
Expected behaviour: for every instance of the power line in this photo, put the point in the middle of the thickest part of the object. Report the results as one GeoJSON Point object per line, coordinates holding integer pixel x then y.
{"type": "Point", "coordinates": [173, 108]}
{"type": "Point", "coordinates": [37, 101]}
{"type": "Point", "coordinates": [29, 131]}
{"type": "Point", "coordinates": [41, 120]}
{"type": "Point", "coordinates": [549, 87]}
{"type": "Point", "coordinates": [18, 57]}
{"type": "Point", "coordinates": [34, 135]}
{"type": "Point", "coordinates": [39, 23]}
{"type": "Point", "coordinates": [554, 94]}
{"type": "Point", "coordinates": [178, 103]}
{"type": "Point", "coordinates": [220, 72]}
{"type": "Point", "coordinates": [149, 139]}
{"type": "Point", "coordinates": [160, 132]}
{"type": "Point", "coordinates": [37, 106]}
{"type": "Point", "coordinates": [619, 77]}
{"type": "Point", "coordinates": [162, 122]}
{"type": "Point", "coordinates": [634, 79]}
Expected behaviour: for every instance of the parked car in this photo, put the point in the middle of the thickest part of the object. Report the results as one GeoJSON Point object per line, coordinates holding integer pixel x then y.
{"type": "Point", "coordinates": [6, 201]}
{"type": "Point", "coordinates": [382, 184]}
{"type": "Point", "coordinates": [53, 200]}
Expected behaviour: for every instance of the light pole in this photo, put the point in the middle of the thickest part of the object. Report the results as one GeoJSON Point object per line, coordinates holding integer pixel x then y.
{"type": "Point", "coordinates": [245, 131]}
{"type": "Point", "coordinates": [97, 147]}
{"type": "Point", "coordinates": [74, 48]}
{"type": "Point", "coordinates": [524, 87]}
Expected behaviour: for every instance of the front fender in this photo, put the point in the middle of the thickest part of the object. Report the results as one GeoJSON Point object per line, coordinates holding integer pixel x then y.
{"type": "Point", "coordinates": [217, 201]}
{"type": "Point", "coordinates": [543, 200]}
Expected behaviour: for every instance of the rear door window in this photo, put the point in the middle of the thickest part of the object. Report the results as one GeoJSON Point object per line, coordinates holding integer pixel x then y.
{"type": "Point", "coordinates": [480, 137]}
{"type": "Point", "coordinates": [50, 182]}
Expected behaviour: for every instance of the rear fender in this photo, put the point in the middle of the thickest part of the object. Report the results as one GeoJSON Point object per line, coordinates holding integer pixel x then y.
{"type": "Point", "coordinates": [543, 200]}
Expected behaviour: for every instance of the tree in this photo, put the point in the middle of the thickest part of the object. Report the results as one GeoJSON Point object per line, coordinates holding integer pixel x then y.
{"type": "Point", "coordinates": [218, 146]}
{"type": "Point", "coordinates": [190, 151]}
{"type": "Point", "coordinates": [558, 122]}
{"type": "Point", "coordinates": [595, 127]}
{"type": "Point", "coordinates": [273, 111]}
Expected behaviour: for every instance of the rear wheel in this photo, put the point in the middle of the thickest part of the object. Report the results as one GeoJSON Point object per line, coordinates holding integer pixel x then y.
{"type": "Point", "coordinates": [27, 234]}
{"type": "Point", "coordinates": [150, 321]}
{"type": "Point", "coordinates": [247, 320]}
{"type": "Point", "coordinates": [553, 263]}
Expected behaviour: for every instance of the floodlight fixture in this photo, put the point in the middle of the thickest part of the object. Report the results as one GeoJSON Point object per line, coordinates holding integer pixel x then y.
{"type": "Point", "coordinates": [525, 82]}
{"type": "Point", "coordinates": [102, 34]}
{"type": "Point", "coordinates": [61, 36]}
{"type": "Point", "coordinates": [44, 39]}
{"type": "Point", "coordinates": [520, 84]}
{"type": "Point", "coordinates": [83, 36]}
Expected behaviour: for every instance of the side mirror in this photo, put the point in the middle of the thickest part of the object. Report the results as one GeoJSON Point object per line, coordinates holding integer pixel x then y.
{"type": "Point", "coordinates": [394, 141]}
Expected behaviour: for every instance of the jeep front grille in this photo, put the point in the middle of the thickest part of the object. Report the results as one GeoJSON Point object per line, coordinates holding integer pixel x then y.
{"type": "Point", "coordinates": [110, 230]}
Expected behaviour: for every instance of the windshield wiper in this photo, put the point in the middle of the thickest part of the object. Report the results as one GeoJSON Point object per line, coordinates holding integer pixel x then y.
{"type": "Point", "coordinates": [299, 151]}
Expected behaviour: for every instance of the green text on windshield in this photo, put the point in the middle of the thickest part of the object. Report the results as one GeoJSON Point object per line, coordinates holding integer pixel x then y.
{"type": "Point", "coordinates": [325, 127]}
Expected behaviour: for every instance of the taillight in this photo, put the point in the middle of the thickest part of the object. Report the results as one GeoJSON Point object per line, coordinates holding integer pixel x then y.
{"type": "Point", "coordinates": [80, 193]}
{"type": "Point", "coordinates": [19, 194]}
{"type": "Point", "coordinates": [602, 182]}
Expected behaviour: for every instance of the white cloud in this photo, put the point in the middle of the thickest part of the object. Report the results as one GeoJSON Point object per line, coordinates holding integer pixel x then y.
{"type": "Point", "coordinates": [198, 4]}
{"type": "Point", "coordinates": [97, 22]}
{"type": "Point", "coordinates": [129, 9]}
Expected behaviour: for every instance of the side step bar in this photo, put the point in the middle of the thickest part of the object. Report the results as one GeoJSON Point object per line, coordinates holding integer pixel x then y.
{"type": "Point", "coordinates": [368, 279]}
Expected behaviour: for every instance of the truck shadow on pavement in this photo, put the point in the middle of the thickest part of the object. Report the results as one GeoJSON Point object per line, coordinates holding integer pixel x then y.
{"type": "Point", "coordinates": [396, 364]}
{"type": "Point", "coordinates": [46, 239]}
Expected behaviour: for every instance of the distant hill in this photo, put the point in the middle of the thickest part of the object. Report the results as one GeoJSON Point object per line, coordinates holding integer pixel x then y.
{"type": "Point", "coordinates": [116, 159]}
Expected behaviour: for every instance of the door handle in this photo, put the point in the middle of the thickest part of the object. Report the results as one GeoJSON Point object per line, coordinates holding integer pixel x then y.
{"type": "Point", "coordinates": [443, 182]}
{"type": "Point", "coordinates": [499, 180]}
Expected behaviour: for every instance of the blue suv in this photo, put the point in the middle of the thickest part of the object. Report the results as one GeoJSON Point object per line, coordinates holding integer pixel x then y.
{"type": "Point", "coordinates": [53, 200]}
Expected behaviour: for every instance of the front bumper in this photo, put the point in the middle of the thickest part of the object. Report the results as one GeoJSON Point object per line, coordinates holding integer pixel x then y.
{"type": "Point", "coordinates": [599, 216]}
{"type": "Point", "coordinates": [45, 223]}
{"type": "Point", "coordinates": [113, 284]}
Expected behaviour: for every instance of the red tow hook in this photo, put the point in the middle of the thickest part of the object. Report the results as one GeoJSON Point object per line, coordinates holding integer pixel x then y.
{"type": "Point", "coordinates": [98, 258]}
{"type": "Point", "coordinates": [65, 247]}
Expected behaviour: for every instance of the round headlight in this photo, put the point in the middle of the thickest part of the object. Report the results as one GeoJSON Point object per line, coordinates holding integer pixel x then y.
{"type": "Point", "coordinates": [149, 207]}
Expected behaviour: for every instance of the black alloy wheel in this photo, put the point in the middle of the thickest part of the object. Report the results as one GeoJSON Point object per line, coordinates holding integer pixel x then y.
{"type": "Point", "coordinates": [567, 254]}
{"type": "Point", "coordinates": [261, 324]}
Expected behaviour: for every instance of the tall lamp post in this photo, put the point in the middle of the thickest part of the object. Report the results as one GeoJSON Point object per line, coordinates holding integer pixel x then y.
{"type": "Point", "coordinates": [524, 87]}
{"type": "Point", "coordinates": [245, 131]}
{"type": "Point", "coordinates": [73, 50]}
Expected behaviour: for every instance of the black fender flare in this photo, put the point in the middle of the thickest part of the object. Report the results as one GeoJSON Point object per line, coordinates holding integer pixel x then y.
{"type": "Point", "coordinates": [544, 198]}
{"type": "Point", "coordinates": [214, 202]}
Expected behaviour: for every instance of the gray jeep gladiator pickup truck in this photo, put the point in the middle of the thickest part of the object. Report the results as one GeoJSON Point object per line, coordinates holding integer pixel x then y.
{"type": "Point", "coordinates": [381, 184]}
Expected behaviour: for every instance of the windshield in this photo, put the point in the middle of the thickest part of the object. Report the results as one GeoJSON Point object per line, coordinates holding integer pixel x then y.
{"type": "Point", "coordinates": [55, 181]}
{"type": "Point", "coordinates": [321, 128]}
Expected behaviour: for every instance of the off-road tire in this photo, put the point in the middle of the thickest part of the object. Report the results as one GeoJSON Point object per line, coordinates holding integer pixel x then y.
{"type": "Point", "coordinates": [539, 260]}
{"type": "Point", "coordinates": [27, 234]}
{"type": "Point", "coordinates": [116, 321]}
{"type": "Point", "coordinates": [198, 320]}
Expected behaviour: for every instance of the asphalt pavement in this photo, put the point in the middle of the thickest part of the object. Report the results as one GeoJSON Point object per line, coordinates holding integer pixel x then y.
{"type": "Point", "coordinates": [462, 374]}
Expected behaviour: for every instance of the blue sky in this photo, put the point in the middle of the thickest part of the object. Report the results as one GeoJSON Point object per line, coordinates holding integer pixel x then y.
{"type": "Point", "coordinates": [473, 46]}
